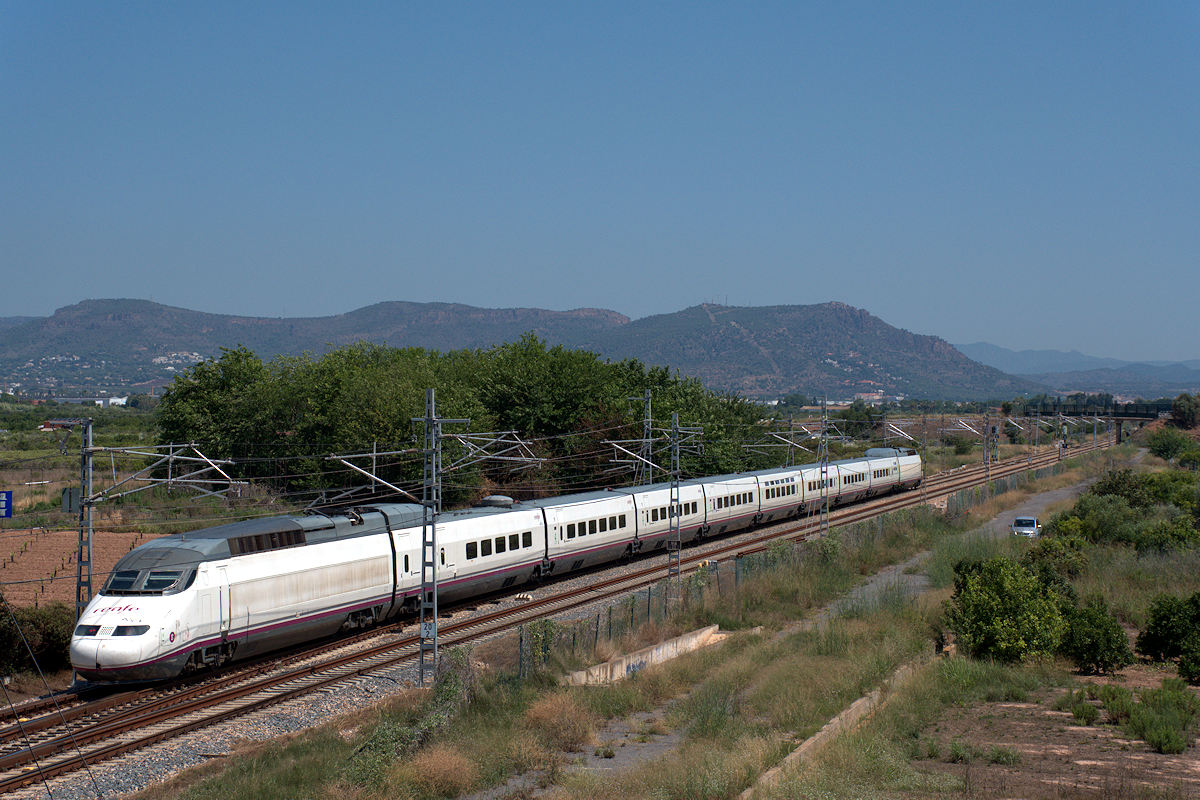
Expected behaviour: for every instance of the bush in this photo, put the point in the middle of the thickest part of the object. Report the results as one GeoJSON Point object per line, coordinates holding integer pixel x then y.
{"type": "Point", "coordinates": [1126, 484]}
{"type": "Point", "coordinates": [561, 721]}
{"type": "Point", "coordinates": [1062, 555]}
{"type": "Point", "coordinates": [1094, 641]}
{"type": "Point", "coordinates": [1167, 443]}
{"type": "Point", "coordinates": [1171, 620]}
{"type": "Point", "coordinates": [442, 771]}
{"type": "Point", "coordinates": [1000, 610]}
{"type": "Point", "coordinates": [1165, 716]}
{"type": "Point", "coordinates": [1163, 738]}
{"type": "Point", "coordinates": [1003, 755]}
{"type": "Point", "coordinates": [1185, 410]}
{"type": "Point", "coordinates": [1085, 713]}
{"type": "Point", "coordinates": [47, 630]}
{"type": "Point", "coordinates": [1189, 658]}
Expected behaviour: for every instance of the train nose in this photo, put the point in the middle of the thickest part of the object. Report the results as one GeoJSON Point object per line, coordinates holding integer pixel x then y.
{"type": "Point", "coordinates": [107, 652]}
{"type": "Point", "coordinates": [85, 653]}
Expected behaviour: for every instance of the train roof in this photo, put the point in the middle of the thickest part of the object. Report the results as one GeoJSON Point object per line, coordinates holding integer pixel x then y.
{"type": "Point", "coordinates": [267, 533]}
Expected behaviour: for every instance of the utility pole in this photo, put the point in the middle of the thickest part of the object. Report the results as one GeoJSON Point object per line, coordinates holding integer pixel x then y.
{"type": "Point", "coordinates": [987, 441]}
{"type": "Point", "coordinates": [431, 506]}
{"type": "Point", "coordinates": [646, 465]}
{"type": "Point", "coordinates": [82, 504]}
{"type": "Point", "coordinates": [924, 449]}
{"type": "Point", "coordinates": [680, 436]}
{"type": "Point", "coordinates": [823, 458]}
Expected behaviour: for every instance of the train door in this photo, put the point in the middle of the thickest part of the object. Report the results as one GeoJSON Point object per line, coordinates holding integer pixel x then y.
{"type": "Point", "coordinates": [446, 566]}
{"type": "Point", "coordinates": [221, 578]}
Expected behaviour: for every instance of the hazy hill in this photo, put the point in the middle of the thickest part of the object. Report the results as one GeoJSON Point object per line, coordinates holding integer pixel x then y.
{"type": "Point", "coordinates": [12, 322]}
{"type": "Point", "coordinates": [1075, 372]}
{"type": "Point", "coordinates": [1030, 362]}
{"type": "Point", "coordinates": [828, 348]}
{"type": "Point", "coordinates": [1134, 380]}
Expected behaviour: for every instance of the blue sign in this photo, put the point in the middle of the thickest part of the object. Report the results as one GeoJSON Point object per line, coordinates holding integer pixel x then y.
{"type": "Point", "coordinates": [5, 504]}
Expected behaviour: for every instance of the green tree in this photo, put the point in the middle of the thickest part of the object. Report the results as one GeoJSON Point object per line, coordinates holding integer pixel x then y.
{"type": "Point", "coordinates": [1166, 443]}
{"type": "Point", "coordinates": [1094, 640]}
{"type": "Point", "coordinates": [1185, 410]}
{"type": "Point", "coordinates": [1000, 610]}
{"type": "Point", "coordinates": [1171, 620]}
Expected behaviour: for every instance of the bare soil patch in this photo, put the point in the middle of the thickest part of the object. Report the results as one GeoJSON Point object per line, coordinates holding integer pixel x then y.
{"type": "Point", "coordinates": [40, 567]}
{"type": "Point", "coordinates": [1059, 758]}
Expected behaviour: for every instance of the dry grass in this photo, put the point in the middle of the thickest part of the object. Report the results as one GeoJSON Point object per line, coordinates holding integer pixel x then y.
{"type": "Point", "coordinates": [438, 770]}
{"type": "Point", "coordinates": [561, 721]}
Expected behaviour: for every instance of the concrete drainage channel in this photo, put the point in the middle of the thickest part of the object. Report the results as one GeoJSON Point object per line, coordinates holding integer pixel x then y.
{"type": "Point", "coordinates": [625, 666]}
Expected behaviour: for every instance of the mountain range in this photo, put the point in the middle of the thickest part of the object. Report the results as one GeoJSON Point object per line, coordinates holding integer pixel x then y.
{"type": "Point", "coordinates": [762, 352]}
{"type": "Point", "coordinates": [1072, 371]}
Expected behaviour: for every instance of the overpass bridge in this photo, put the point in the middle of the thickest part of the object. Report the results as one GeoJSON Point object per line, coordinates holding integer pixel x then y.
{"type": "Point", "coordinates": [1137, 411]}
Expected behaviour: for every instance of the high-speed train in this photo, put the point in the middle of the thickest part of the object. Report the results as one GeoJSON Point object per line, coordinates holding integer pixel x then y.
{"type": "Point", "coordinates": [219, 594]}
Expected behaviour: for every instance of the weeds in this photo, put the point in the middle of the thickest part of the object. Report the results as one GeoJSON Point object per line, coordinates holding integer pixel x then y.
{"type": "Point", "coordinates": [561, 721]}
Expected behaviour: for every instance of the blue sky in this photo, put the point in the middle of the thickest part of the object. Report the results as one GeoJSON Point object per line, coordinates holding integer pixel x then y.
{"type": "Point", "coordinates": [1022, 173]}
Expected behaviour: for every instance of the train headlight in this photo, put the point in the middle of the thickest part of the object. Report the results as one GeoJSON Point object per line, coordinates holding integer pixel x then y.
{"type": "Point", "coordinates": [130, 630]}
{"type": "Point", "coordinates": [87, 630]}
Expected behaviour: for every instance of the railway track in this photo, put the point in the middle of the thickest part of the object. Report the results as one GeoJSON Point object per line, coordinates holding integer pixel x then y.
{"type": "Point", "coordinates": [54, 742]}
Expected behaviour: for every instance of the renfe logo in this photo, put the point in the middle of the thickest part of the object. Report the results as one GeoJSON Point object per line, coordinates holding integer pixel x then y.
{"type": "Point", "coordinates": [113, 608]}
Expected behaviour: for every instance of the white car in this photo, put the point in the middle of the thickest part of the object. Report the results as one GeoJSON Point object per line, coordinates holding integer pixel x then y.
{"type": "Point", "coordinates": [1026, 526]}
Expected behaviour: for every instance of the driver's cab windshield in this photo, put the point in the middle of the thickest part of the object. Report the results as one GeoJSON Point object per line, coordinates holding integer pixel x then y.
{"type": "Point", "coordinates": [148, 581]}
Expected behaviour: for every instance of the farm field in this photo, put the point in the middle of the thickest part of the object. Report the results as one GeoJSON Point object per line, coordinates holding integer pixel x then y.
{"type": "Point", "coordinates": [39, 565]}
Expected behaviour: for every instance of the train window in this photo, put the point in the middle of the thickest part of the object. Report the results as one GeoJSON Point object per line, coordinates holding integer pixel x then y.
{"type": "Point", "coordinates": [603, 524]}
{"type": "Point", "coordinates": [513, 541]}
{"type": "Point", "coordinates": [527, 539]}
{"type": "Point", "coordinates": [622, 520]}
{"type": "Point", "coordinates": [485, 547]}
{"type": "Point", "coordinates": [654, 515]}
{"type": "Point", "coordinates": [612, 523]}
{"type": "Point", "coordinates": [121, 581]}
{"type": "Point", "coordinates": [499, 544]}
{"type": "Point", "coordinates": [470, 554]}
{"type": "Point", "coordinates": [591, 526]}
{"type": "Point", "coordinates": [443, 556]}
{"type": "Point", "coordinates": [160, 580]}
{"type": "Point", "coordinates": [571, 531]}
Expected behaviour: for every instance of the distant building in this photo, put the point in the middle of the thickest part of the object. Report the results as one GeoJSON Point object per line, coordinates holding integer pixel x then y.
{"type": "Point", "coordinates": [103, 402]}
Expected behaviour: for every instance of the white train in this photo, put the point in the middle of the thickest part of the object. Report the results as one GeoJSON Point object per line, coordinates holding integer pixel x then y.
{"type": "Point", "coordinates": [219, 594]}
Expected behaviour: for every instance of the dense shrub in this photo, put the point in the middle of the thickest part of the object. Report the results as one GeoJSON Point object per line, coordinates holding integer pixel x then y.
{"type": "Point", "coordinates": [1094, 640]}
{"type": "Point", "coordinates": [1189, 658]}
{"type": "Point", "coordinates": [1167, 443]}
{"type": "Point", "coordinates": [1171, 620]}
{"type": "Point", "coordinates": [1110, 518]}
{"type": "Point", "coordinates": [1185, 410]}
{"type": "Point", "coordinates": [1085, 713]}
{"type": "Point", "coordinates": [1118, 702]}
{"type": "Point", "coordinates": [1061, 555]}
{"type": "Point", "coordinates": [1000, 610]}
{"type": "Point", "coordinates": [1190, 459]}
{"type": "Point", "coordinates": [1165, 716]}
{"type": "Point", "coordinates": [1127, 484]}
{"type": "Point", "coordinates": [41, 642]}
